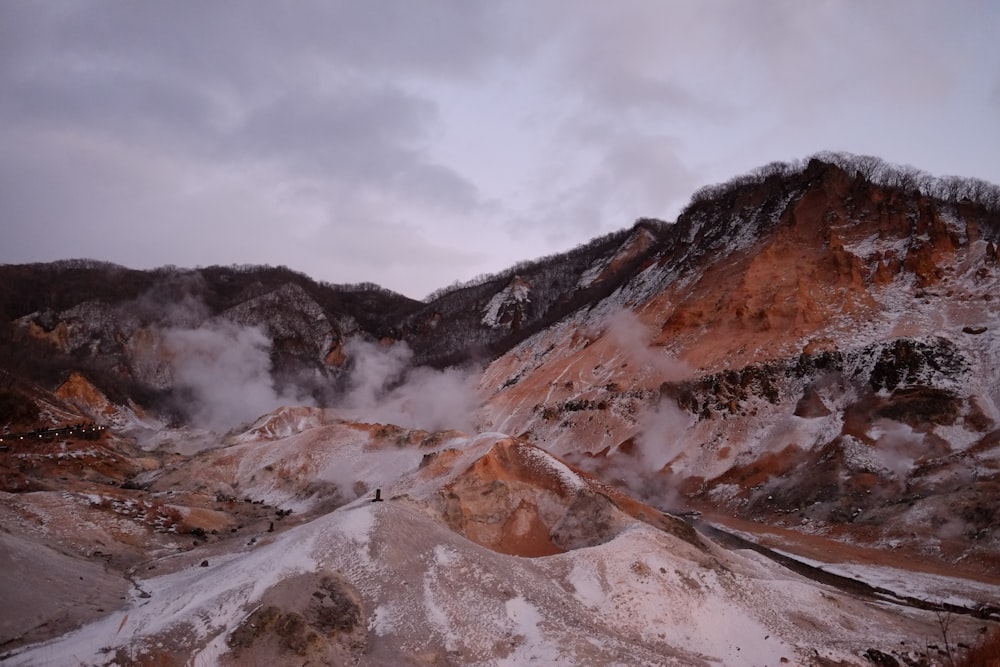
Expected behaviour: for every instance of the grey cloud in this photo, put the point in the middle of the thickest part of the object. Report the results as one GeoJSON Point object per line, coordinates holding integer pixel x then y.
{"type": "Point", "coordinates": [626, 68]}
{"type": "Point", "coordinates": [359, 134]}
{"type": "Point", "coordinates": [308, 133]}
{"type": "Point", "coordinates": [633, 174]}
{"type": "Point", "coordinates": [122, 205]}
{"type": "Point", "coordinates": [648, 96]}
{"type": "Point", "coordinates": [254, 43]}
{"type": "Point", "coordinates": [375, 248]}
{"type": "Point", "coordinates": [195, 134]}
{"type": "Point", "coordinates": [649, 171]}
{"type": "Point", "coordinates": [338, 121]}
{"type": "Point", "coordinates": [636, 58]}
{"type": "Point", "coordinates": [339, 127]}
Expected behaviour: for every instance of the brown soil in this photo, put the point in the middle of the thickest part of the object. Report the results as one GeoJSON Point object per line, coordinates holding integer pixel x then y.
{"type": "Point", "coordinates": [829, 549]}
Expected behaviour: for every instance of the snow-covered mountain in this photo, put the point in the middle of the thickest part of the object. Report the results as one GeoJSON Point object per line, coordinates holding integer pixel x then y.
{"type": "Point", "coordinates": [485, 550]}
{"type": "Point", "coordinates": [765, 434]}
{"type": "Point", "coordinates": [828, 362]}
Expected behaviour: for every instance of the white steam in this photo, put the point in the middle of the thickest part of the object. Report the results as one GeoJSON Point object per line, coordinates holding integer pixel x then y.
{"type": "Point", "coordinates": [659, 442]}
{"type": "Point", "coordinates": [897, 446]}
{"type": "Point", "coordinates": [632, 338]}
{"type": "Point", "coordinates": [226, 369]}
{"type": "Point", "coordinates": [383, 387]}
{"type": "Point", "coordinates": [660, 438]}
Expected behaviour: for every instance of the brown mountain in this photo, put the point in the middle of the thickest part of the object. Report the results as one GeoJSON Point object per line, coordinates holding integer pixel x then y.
{"type": "Point", "coordinates": [808, 357]}
{"type": "Point", "coordinates": [818, 352]}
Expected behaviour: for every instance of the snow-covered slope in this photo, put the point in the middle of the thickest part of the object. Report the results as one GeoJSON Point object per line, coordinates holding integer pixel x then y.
{"type": "Point", "coordinates": [827, 358]}
{"type": "Point", "coordinates": [809, 358]}
{"type": "Point", "coordinates": [390, 583]}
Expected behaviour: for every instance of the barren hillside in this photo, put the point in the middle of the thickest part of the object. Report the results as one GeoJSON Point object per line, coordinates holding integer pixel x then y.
{"type": "Point", "coordinates": [764, 434]}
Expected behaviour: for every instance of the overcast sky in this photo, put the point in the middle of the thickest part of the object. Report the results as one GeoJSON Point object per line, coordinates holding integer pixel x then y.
{"type": "Point", "coordinates": [414, 143]}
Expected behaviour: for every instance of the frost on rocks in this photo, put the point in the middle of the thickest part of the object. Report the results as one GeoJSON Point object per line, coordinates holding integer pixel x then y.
{"type": "Point", "coordinates": [569, 479]}
{"type": "Point", "coordinates": [883, 390]}
{"type": "Point", "coordinates": [516, 293]}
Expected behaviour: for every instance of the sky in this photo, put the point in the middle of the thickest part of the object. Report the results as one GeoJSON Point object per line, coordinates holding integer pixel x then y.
{"type": "Point", "coordinates": [419, 144]}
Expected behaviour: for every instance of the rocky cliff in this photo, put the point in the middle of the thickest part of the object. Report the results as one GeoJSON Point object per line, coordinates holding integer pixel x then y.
{"type": "Point", "coordinates": [810, 351]}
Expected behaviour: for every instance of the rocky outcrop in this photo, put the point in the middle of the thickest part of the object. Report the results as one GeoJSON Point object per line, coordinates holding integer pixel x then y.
{"type": "Point", "coordinates": [315, 617]}
{"type": "Point", "coordinates": [830, 352]}
{"type": "Point", "coordinates": [519, 500]}
{"type": "Point", "coordinates": [509, 307]}
{"type": "Point", "coordinates": [295, 323]}
{"type": "Point", "coordinates": [79, 392]}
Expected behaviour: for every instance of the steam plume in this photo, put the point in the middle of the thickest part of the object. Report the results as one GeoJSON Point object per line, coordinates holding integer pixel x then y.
{"type": "Point", "coordinates": [632, 338]}
{"type": "Point", "coordinates": [226, 369]}
{"type": "Point", "coordinates": [385, 388]}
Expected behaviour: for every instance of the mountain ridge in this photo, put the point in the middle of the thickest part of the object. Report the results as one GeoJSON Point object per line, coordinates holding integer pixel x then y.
{"type": "Point", "coordinates": [809, 357]}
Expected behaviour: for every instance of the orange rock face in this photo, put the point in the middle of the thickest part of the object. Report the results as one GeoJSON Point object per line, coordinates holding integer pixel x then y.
{"type": "Point", "coordinates": [58, 337]}
{"type": "Point", "coordinates": [803, 347]}
{"type": "Point", "coordinates": [336, 356]}
{"type": "Point", "coordinates": [520, 500]}
{"type": "Point", "coordinates": [80, 392]}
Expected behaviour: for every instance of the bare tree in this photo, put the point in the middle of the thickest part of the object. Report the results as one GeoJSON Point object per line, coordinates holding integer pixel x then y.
{"type": "Point", "coordinates": [945, 619]}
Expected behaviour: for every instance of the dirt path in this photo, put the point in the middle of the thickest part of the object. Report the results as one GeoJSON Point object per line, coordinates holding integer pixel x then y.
{"type": "Point", "coordinates": [732, 540]}
{"type": "Point", "coordinates": [830, 549]}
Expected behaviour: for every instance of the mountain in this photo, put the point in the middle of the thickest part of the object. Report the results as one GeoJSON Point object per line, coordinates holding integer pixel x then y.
{"type": "Point", "coordinates": [816, 351]}
{"type": "Point", "coordinates": [766, 433]}
{"type": "Point", "coordinates": [116, 324]}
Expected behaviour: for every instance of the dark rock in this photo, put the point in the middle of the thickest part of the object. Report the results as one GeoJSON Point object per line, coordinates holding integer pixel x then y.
{"type": "Point", "coordinates": [253, 626]}
{"type": "Point", "coordinates": [341, 613]}
{"type": "Point", "coordinates": [811, 405]}
{"type": "Point", "coordinates": [921, 405]}
{"type": "Point", "coordinates": [879, 658]}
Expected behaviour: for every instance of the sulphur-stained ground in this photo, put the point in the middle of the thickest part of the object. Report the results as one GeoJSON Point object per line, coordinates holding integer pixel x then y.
{"type": "Point", "coordinates": [766, 434]}
{"type": "Point", "coordinates": [255, 569]}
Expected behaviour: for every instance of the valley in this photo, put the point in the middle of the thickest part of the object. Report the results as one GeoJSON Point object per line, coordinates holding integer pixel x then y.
{"type": "Point", "coordinates": [764, 434]}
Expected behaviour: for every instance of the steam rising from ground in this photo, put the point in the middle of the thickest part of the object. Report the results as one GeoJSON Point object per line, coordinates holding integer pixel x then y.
{"type": "Point", "coordinates": [632, 338]}
{"type": "Point", "coordinates": [224, 376]}
{"type": "Point", "coordinates": [898, 446]}
{"type": "Point", "coordinates": [659, 442]}
{"type": "Point", "coordinates": [383, 387]}
{"type": "Point", "coordinates": [660, 436]}
{"type": "Point", "coordinates": [226, 371]}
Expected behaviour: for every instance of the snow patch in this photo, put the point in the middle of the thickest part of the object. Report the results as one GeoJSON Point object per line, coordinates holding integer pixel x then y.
{"type": "Point", "coordinates": [532, 647]}
{"type": "Point", "coordinates": [386, 619]}
{"type": "Point", "coordinates": [357, 523]}
{"type": "Point", "coordinates": [587, 585]}
{"type": "Point", "coordinates": [591, 274]}
{"type": "Point", "coordinates": [517, 292]}
{"type": "Point", "coordinates": [546, 461]}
